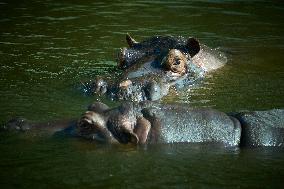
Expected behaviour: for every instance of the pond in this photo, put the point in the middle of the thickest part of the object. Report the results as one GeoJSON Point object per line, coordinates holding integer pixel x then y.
{"type": "Point", "coordinates": [47, 48]}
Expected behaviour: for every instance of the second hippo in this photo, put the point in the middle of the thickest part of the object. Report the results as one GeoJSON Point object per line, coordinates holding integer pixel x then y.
{"type": "Point", "coordinates": [154, 123]}
{"type": "Point", "coordinates": [144, 123]}
{"type": "Point", "coordinates": [157, 64]}
{"type": "Point", "coordinates": [150, 122]}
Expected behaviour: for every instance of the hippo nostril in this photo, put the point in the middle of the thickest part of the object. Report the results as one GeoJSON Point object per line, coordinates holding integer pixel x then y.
{"type": "Point", "coordinates": [177, 62]}
{"type": "Point", "coordinates": [84, 124]}
{"type": "Point", "coordinates": [125, 84]}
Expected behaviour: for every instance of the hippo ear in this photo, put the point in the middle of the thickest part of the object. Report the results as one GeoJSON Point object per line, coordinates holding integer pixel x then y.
{"type": "Point", "coordinates": [130, 41]}
{"type": "Point", "coordinates": [193, 46]}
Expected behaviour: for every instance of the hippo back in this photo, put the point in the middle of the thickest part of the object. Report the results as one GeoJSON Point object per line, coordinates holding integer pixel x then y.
{"type": "Point", "coordinates": [262, 128]}
{"type": "Point", "coordinates": [181, 124]}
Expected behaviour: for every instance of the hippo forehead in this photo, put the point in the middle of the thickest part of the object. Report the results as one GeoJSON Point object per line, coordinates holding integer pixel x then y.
{"type": "Point", "coordinates": [163, 43]}
{"type": "Point", "coordinates": [176, 53]}
{"type": "Point", "coordinates": [158, 47]}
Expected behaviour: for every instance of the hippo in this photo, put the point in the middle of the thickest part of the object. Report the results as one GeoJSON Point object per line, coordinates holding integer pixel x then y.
{"type": "Point", "coordinates": [143, 123]}
{"type": "Point", "coordinates": [148, 122]}
{"type": "Point", "coordinates": [154, 66]}
{"type": "Point", "coordinates": [262, 128]}
{"type": "Point", "coordinates": [151, 123]}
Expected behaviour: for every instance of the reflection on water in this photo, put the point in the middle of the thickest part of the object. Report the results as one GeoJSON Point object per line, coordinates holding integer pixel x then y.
{"type": "Point", "coordinates": [46, 163]}
{"type": "Point", "coordinates": [48, 47]}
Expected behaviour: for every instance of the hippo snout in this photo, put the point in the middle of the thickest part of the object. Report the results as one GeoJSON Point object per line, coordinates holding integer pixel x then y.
{"type": "Point", "coordinates": [175, 61]}
{"type": "Point", "coordinates": [93, 126]}
{"type": "Point", "coordinates": [17, 124]}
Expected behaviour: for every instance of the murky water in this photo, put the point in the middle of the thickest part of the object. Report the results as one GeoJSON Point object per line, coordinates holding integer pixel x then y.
{"type": "Point", "coordinates": [48, 47]}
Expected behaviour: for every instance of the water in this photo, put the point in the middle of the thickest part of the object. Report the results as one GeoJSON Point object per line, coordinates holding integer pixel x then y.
{"type": "Point", "coordinates": [56, 163]}
{"type": "Point", "coordinates": [48, 47]}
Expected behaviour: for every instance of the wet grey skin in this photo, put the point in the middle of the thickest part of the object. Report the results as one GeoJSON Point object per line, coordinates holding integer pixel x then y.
{"type": "Point", "coordinates": [157, 64]}
{"type": "Point", "coordinates": [150, 123]}
{"type": "Point", "coordinates": [262, 128]}
{"type": "Point", "coordinates": [155, 46]}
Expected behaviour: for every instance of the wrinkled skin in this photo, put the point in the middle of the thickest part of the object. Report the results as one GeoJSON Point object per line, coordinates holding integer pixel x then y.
{"type": "Point", "coordinates": [157, 64]}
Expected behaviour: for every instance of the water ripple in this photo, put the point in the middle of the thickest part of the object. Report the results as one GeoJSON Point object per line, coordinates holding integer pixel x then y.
{"type": "Point", "coordinates": [58, 18]}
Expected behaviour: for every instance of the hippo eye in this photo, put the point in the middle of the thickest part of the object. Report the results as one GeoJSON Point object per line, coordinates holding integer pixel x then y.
{"type": "Point", "coordinates": [84, 126]}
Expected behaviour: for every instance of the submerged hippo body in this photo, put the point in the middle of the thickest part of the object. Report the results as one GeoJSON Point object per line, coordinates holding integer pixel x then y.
{"type": "Point", "coordinates": [184, 124]}
{"type": "Point", "coordinates": [155, 65]}
{"type": "Point", "coordinates": [154, 123]}
{"type": "Point", "coordinates": [149, 122]}
{"type": "Point", "coordinates": [146, 123]}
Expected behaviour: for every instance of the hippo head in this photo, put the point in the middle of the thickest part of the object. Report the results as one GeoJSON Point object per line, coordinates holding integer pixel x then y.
{"type": "Point", "coordinates": [174, 53]}
{"type": "Point", "coordinates": [92, 126]}
{"type": "Point", "coordinates": [98, 125]}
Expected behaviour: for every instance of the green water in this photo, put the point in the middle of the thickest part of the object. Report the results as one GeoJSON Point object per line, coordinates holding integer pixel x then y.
{"type": "Point", "coordinates": [48, 47]}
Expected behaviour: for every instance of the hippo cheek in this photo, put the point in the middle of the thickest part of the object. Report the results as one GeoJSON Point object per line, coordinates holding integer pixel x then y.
{"type": "Point", "coordinates": [128, 57]}
{"type": "Point", "coordinates": [122, 129]}
{"type": "Point", "coordinates": [142, 130]}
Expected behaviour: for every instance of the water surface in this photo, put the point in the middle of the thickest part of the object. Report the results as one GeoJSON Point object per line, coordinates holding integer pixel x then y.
{"type": "Point", "coordinates": [48, 47]}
